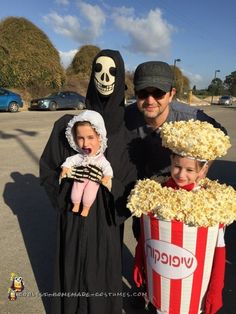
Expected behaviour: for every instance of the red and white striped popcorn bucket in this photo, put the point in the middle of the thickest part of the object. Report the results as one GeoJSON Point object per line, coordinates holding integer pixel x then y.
{"type": "Point", "coordinates": [178, 264]}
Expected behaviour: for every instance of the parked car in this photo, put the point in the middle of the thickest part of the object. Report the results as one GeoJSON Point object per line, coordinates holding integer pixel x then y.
{"type": "Point", "coordinates": [226, 100]}
{"type": "Point", "coordinates": [10, 101]}
{"type": "Point", "coordinates": [59, 100]}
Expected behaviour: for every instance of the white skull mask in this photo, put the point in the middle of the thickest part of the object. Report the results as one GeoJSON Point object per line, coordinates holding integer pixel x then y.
{"type": "Point", "coordinates": [105, 73]}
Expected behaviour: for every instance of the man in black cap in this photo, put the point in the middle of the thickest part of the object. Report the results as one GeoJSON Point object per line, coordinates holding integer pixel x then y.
{"type": "Point", "coordinates": [155, 91]}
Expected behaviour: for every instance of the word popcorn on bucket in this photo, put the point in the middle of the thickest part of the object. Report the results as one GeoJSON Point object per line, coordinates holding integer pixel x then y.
{"type": "Point", "coordinates": [180, 255]}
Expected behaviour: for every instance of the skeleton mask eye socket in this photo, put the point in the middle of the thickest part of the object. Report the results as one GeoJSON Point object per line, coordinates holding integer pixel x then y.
{"type": "Point", "coordinates": [98, 67]}
{"type": "Point", "coordinates": [112, 71]}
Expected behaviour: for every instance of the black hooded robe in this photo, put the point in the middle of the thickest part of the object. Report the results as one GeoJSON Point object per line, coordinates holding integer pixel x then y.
{"type": "Point", "coordinates": [88, 257]}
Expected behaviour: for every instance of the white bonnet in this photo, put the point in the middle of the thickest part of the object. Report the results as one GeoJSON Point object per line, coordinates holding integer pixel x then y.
{"type": "Point", "coordinates": [97, 123]}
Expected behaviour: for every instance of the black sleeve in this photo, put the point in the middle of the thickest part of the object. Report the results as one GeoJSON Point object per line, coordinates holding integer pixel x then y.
{"type": "Point", "coordinates": [136, 227]}
{"type": "Point", "coordinates": [55, 152]}
{"type": "Point", "coordinates": [202, 116]}
{"type": "Point", "coordinates": [125, 174]}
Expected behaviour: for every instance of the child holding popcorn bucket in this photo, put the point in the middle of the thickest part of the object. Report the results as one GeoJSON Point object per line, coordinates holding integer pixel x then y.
{"type": "Point", "coordinates": [180, 255]}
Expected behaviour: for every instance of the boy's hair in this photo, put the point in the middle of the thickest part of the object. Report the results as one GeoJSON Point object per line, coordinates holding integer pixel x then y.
{"type": "Point", "coordinates": [199, 163]}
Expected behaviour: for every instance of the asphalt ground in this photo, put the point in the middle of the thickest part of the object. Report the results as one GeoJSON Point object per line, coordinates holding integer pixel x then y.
{"type": "Point", "coordinates": [28, 222]}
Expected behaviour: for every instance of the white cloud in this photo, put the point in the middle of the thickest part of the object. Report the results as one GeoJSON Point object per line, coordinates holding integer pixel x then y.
{"type": "Point", "coordinates": [195, 79]}
{"type": "Point", "coordinates": [65, 25]}
{"type": "Point", "coordinates": [150, 35]}
{"type": "Point", "coordinates": [77, 29]}
{"type": "Point", "coordinates": [67, 57]}
{"type": "Point", "coordinates": [124, 11]}
{"type": "Point", "coordinates": [94, 15]}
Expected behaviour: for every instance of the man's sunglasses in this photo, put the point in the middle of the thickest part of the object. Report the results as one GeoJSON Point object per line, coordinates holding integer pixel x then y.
{"type": "Point", "coordinates": [156, 93]}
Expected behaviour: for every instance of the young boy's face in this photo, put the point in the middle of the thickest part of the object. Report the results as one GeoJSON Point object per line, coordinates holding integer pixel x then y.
{"type": "Point", "coordinates": [184, 170]}
{"type": "Point", "coordinates": [87, 139]}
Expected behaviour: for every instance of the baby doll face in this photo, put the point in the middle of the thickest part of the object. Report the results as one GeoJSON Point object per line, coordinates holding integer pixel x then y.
{"type": "Point", "coordinates": [184, 170]}
{"type": "Point", "coordinates": [87, 139]}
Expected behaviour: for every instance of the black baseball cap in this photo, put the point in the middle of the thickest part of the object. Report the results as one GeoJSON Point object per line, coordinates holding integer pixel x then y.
{"type": "Point", "coordinates": [153, 74]}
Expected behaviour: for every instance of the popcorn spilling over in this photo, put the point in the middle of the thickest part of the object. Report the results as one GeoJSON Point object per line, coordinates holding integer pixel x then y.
{"type": "Point", "coordinates": [195, 139]}
{"type": "Point", "coordinates": [212, 204]}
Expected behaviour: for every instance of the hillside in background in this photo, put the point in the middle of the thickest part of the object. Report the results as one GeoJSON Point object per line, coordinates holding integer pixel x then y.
{"type": "Point", "coordinates": [28, 60]}
{"type": "Point", "coordinates": [30, 64]}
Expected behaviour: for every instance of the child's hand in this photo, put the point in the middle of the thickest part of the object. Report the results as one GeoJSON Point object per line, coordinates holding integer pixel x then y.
{"type": "Point", "coordinates": [106, 181]}
{"type": "Point", "coordinates": [213, 303]}
{"type": "Point", "coordinates": [69, 174]}
{"type": "Point", "coordinates": [214, 293]}
{"type": "Point", "coordinates": [138, 270]}
{"type": "Point", "coordinates": [138, 276]}
{"type": "Point", "coordinates": [64, 173]}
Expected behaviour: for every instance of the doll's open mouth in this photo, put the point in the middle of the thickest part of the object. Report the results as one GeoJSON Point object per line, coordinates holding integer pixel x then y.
{"type": "Point", "coordinates": [87, 150]}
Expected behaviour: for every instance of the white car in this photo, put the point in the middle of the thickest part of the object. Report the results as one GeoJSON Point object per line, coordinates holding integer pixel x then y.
{"type": "Point", "coordinates": [226, 100]}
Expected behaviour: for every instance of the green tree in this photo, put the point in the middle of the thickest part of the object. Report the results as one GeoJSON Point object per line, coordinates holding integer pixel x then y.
{"type": "Point", "coordinates": [216, 87]}
{"type": "Point", "coordinates": [27, 57]}
{"type": "Point", "coordinates": [202, 93]}
{"type": "Point", "coordinates": [82, 61]}
{"type": "Point", "coordinates": [182, 83]}
{"type": "Point", "coordinates": [129, 93]}
{"type": "Point", "coordinates": [230, 83]}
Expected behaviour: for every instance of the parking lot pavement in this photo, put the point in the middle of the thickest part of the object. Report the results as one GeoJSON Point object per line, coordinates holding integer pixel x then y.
{"type": "Point", "coordinates": [28, 222]}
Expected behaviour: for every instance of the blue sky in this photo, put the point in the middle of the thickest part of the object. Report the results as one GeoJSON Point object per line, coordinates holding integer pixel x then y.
{"type": "Point", "coordinates": [200, 33]}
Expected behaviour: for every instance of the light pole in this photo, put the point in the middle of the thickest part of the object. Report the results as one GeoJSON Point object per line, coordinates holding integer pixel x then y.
{"type": "Point", "coordinates": [213, 90]}
{"type": "Point", "coordinates": [176, 60]}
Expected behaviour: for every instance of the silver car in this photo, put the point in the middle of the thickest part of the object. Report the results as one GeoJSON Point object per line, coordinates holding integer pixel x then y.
{"type": "Point", "coordinates": [226, 100]}
{"type": "Point", "coordinates": [59, 100]}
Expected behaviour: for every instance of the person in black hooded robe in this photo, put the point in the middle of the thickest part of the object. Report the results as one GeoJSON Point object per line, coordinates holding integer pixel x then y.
{"type": "Point", "coordinates": [88, 255]}
{"type": "Point", "coordinates": [106, 94]}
